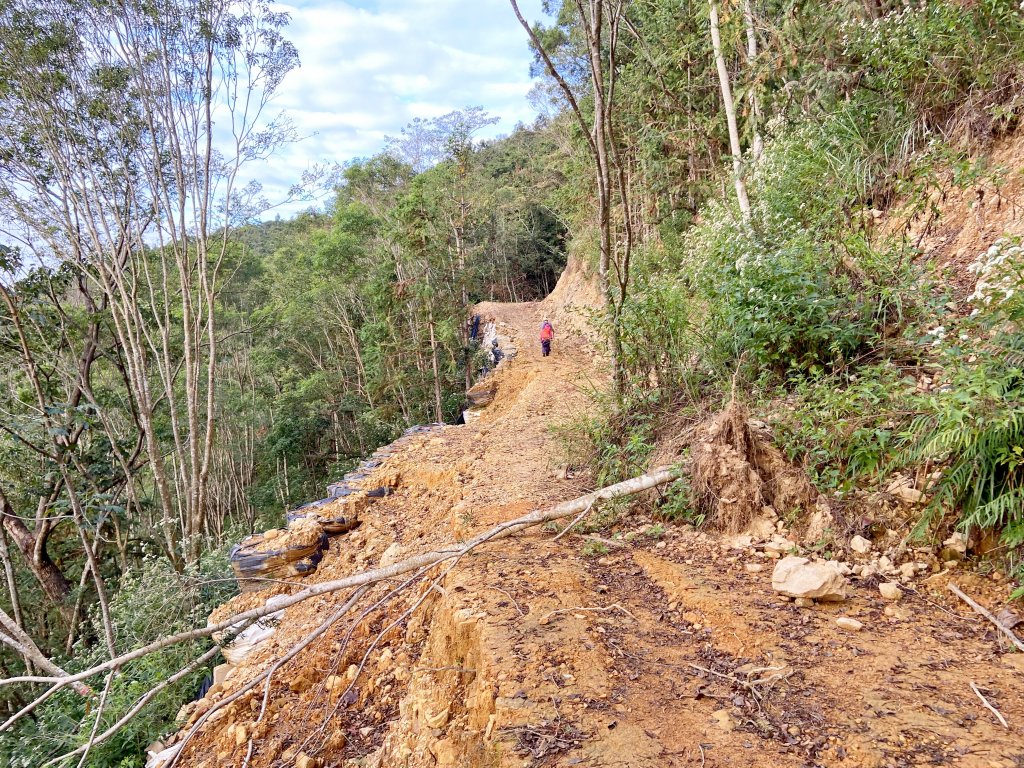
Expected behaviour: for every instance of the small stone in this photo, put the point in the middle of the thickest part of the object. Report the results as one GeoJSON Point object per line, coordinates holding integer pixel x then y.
{"type": "Point", "coordinates": [803, 602]}
{"type": "Point", "coordinates": [240, 736]}
{"type": "Point", "coordinates": [438, 720]}
{"type": "Point", "coordinates": [724, 720]}
{"type": "Point", "coordinates": [850, 625]}
{"type": "Point", "coordinates": [753, 567]}
{"type": "Point", "coordinates": [908, 570]}
{"type": "Point", "coordinates": [895, 612]}
{"type": "Point", "coordinates": [391, 555]}
{"type": "Point", "coordinates": [305, 761]}
{"type": "Point", "coordinates": [798, 577]}
{"type": "Point", "coordinates": [955, 547]}
{"type": "Point", "coordinates": [366, 732]}
{"type": "Point", "coordinates": [272, 534]}
{"type": "Point", "coordinates": [860, 545]}
{"type": "Point", "coordinates": [890, 590]}
{"type": "Point", "coordinates": [794, 730]}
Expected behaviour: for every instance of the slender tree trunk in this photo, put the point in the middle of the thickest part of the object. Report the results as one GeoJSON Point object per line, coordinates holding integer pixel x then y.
{"type": "Point", "coordinates": [755, 103]}
{"type": "Point", "coordinates": [32, 546]}
{"type": "Point", "coordinates": [730, 116]}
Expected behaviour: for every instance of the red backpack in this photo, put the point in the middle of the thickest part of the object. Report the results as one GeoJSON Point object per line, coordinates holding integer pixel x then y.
{"type": "Point", "coordinates": [547, 332]}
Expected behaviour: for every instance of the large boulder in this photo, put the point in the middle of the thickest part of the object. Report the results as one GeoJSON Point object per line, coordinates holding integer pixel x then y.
{"type": "Point", "coordinates": [799, 577]}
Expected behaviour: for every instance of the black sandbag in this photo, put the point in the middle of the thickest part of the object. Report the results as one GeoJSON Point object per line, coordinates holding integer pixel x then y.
{"type": "Point", "coordinates": [251, 565]}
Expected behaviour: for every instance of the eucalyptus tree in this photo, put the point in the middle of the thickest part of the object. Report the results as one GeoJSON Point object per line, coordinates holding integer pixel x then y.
{"type": "Point", "coordinates": [125, 130]}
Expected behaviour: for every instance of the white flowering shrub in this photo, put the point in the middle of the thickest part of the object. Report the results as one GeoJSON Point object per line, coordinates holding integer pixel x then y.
{"type": "Point", "coordinates": [1000, 272]}
{"type": "Point", "coordinates": [975, 425]}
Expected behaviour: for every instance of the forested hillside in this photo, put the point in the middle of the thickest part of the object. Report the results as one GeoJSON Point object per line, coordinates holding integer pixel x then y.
{"type": "Point", "coordinates": [770, 199]}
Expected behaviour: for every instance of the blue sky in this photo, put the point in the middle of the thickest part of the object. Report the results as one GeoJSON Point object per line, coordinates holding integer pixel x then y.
{"type": "Point", "coordinates": [370, 66]}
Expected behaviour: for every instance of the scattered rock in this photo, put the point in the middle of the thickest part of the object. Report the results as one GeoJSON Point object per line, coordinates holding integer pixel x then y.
{"type": "Point", "coordinates": [753, 567]}
{"type": "Point", "coordinates": [762, 527]}
{"type": "Point", "coordinates": [438, 720]}
{"type": "Point", "coordinates": [860, 545]}
{"type": "Point", "coordinates": [743, 541]}
{"type": "Point", "coordinates": [305, 761]}
{"type": "Point", "coordinates": [850, 625]}
{"type": "Point", "coordinates": [799, 577]}
{"type": "Point", "coordinates": [890, 590]}
{"type": "Point", "coordinates": [724, 720]}
{"type": "Point", "coordinates": [803, 602]}
{"type": "Point", "coordinates": [902, 487]}
{"type": "Point", "coordinates": [955, 547]}
{"type": "Point", "coordinates": [778, 546]}
{"type": "Point", "coordinates": [908, 570]}
{"type": "Point", "coordinates": [896, 612]}
{"type": "Point", "coordinates": [391, 555]}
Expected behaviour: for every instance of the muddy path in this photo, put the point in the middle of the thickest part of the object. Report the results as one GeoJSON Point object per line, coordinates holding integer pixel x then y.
{"type": "Point", "coordinates": [667, 647]}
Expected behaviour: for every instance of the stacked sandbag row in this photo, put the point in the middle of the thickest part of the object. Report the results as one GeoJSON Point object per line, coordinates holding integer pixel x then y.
{"type": "Point", "coordinates": [297, 549]}
{"type": "Point", "coordinates": [278, 554]}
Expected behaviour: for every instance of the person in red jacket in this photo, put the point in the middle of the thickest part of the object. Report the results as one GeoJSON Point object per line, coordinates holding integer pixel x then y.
{"type": "Point", "coordinates": [547, 333]}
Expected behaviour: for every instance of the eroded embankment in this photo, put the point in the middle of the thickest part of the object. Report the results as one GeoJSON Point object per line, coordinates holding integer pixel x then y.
{"type": "Point", "coordinates": [664, 646]}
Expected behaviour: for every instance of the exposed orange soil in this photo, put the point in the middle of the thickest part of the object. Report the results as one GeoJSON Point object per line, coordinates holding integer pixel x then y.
{"type": "Point", "coordinates": [667, 650]}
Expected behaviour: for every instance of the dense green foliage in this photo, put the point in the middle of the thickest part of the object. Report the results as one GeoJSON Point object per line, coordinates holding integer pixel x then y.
{"type": "Point", "coordinates": [157, 420]}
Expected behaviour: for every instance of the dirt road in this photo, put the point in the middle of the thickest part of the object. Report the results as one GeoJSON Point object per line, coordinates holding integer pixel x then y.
{"type": "Point", "coordinates": [667, 648]}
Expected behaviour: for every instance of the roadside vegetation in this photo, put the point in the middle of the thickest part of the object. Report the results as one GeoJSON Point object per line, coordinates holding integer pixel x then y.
{"type": "Point", "coordinates": [177, 377]}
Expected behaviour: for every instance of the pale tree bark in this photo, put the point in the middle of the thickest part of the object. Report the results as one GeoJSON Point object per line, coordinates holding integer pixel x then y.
{"type": "Point", "coordinates": [757, 148]}
{"type": "Point", "coordinates": [603, 149]}
{"type": "Point", "coordinates": [142, 200]}
{"type": "Point", "coordinates": [730, 115]}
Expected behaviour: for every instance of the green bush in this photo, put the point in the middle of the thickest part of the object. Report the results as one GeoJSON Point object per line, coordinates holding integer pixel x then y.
{"type": "Point", "coordinates": [975, 423]}
{"type": "Point", "coordinates": [152, 601]}
{"type": "Point", "coordinates": [798, 290]}
{"type": "Point", "coordinates": [843, 429]}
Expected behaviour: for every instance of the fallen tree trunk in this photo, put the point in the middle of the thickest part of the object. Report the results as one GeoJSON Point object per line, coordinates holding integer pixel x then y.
{"type": "Point", "coordinates": [503, 530]}
{"type": "Point", "coordinates": [13, 636]}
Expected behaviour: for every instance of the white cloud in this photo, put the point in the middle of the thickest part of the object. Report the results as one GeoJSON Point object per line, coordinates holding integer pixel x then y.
{"type": "Point", "coordinates": [370, 67]}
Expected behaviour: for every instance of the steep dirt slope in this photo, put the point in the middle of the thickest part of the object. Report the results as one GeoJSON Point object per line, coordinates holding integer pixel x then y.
{"type": "Point", "coordinates": [669, 649]}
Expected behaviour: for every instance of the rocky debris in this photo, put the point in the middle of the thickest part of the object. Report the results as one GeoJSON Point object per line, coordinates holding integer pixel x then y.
{"type": "Point", "coordinates": [890, 590]}
{"type": "Point", "coordinates": [954, 548]}
{"type": "Point", "coordinates": [803, 602]}
{"type": "Point", "coordinates": [902, 487]}
{"type": "Point", "coordinates": [896, 612]}
{"type": "Point", "coordinates": [303, 760]}
{"type": "Point", "coordinates": [391, 555]}
{"type": "Point", "coordinates": [850, 625]}
{"type": "Point", "coordinates": [799, 577]}
{"type": "Point", "coordinates": [753, 567]}
{"type": "Point", "coordinates": [778, 546]}
{"type": "Point", "coordinates": [860, 545]}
